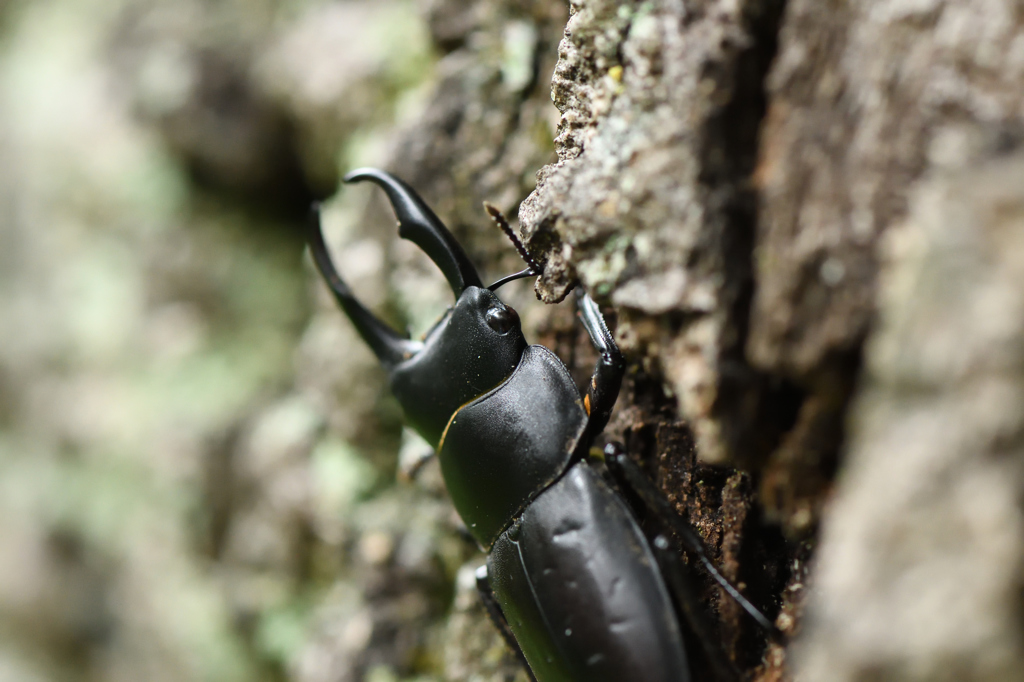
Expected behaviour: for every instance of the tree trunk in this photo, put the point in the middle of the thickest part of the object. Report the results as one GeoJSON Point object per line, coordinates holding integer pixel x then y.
{"type": "Point", "coordinates": [758, 191]}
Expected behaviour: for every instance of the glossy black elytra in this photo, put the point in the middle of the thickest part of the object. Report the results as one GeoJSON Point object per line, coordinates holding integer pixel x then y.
{"type": "Point", "coordinates": [571, 580]}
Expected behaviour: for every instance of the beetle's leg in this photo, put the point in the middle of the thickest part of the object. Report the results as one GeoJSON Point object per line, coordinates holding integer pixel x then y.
{"type": "Point", "coordinates": [411, 462]}
{"type": "Point", "coordinates": [603, 389]}
{"type": "Point", "coordinates": [483, 586]}
{"type": "Point", "coordinates": [630, 475]}
{"type": "Point", "coordinates": [680, 578]}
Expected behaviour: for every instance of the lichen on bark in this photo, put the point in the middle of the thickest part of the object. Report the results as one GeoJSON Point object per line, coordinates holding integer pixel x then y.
{"type": "Point", "coordinates": [649, 205]}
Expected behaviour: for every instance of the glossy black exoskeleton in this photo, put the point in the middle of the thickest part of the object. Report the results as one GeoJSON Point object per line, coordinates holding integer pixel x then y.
{"type": "Point", "coordinates": [570, 578]}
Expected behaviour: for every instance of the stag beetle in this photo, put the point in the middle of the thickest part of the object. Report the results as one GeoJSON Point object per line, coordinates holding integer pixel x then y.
{"type": "Point", "coordinates": [571, 580]}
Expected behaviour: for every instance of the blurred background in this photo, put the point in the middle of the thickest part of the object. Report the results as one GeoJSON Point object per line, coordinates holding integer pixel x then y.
{"type": "Point", "coordinates": [197, 460]}
{"type": "Point", "coordinates": [806, 216]}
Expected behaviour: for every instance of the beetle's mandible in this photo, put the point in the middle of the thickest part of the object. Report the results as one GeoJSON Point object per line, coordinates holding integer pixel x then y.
{"type": "Point", "coordinates": [571, 579]}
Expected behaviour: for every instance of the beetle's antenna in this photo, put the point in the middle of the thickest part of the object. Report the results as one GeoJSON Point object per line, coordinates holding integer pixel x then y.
{"type": "Point", "coordinates": [500, 221]}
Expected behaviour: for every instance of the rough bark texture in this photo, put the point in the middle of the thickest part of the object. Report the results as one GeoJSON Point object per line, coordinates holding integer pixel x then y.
{"type": "Point", "coordinates": [650, 204]}
{"type": "Point", "coordinates": [803, 217]}
{"type": "Point", "coordinates": [864, 97]}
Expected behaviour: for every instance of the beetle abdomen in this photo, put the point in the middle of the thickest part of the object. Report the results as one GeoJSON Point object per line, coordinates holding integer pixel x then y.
{"type": "Point", "coordinates": [581, 592]}
{"type": "Point", "coordinates": [508, 445]}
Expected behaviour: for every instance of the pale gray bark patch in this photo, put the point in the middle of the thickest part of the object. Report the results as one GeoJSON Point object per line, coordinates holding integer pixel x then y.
{"type": "Point", "coordinates": [858, 93]}
{"type": "Point", "coordinates": [921, 563]}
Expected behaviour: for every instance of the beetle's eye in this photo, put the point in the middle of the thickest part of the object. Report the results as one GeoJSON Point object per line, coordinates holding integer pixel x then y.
{"type": "Point", "coordinates": [501, 319]}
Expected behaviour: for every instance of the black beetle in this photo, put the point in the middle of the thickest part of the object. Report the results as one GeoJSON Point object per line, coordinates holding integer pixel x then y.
{"type": "Point", "coordinates": [571, 580]}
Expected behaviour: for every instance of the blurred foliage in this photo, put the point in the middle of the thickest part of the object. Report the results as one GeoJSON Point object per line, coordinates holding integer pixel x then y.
{"type": "Point", "coordinates": [197, 457]}
{"type": "Point", "coordinates": [169, 509]}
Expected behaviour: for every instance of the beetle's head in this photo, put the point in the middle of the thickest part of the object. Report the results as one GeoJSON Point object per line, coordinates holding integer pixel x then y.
{"type": "Point", "coordinates": [474, 347]}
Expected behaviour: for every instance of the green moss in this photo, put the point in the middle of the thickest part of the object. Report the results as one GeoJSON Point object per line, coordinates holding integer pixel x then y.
{"type": "Point", "coordinates": [282, 631]}
{"type": "Point", "coordinates": [341, 476]}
